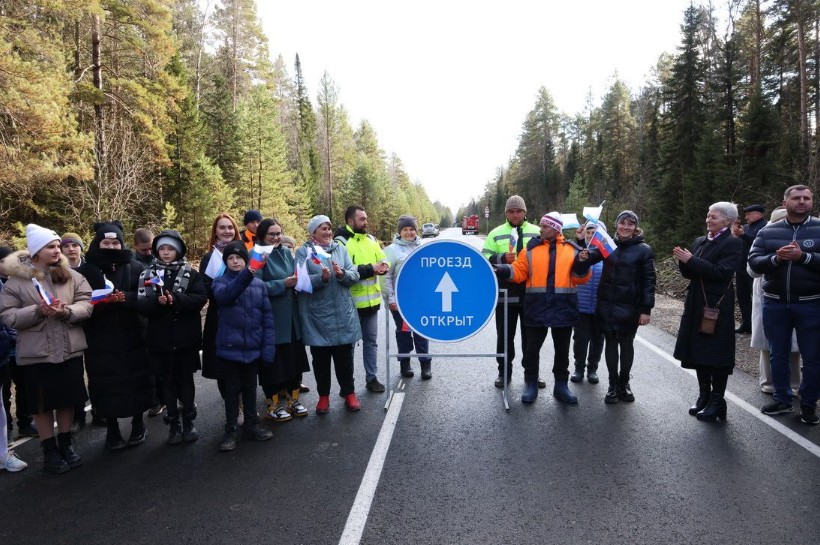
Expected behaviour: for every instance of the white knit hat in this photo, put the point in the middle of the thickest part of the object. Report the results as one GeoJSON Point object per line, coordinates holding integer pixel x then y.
{"type": "Point", "coordinates": [316, 221]}
{"type": "Point", "coordinates": [37, 237]}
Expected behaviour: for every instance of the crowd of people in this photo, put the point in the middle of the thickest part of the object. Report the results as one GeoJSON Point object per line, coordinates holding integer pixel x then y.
{"type": "Point", "coordinates": [130, 320]}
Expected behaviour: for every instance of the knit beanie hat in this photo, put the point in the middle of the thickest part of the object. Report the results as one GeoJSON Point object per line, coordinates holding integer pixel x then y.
{"type": "Point", "coordinates": [552, 219]}
{"type": "Point", "coordinates": [316, 221]}
{"type": "Point", "coordinates": [592, 225]}
{"type": "Point", "coordinates": [72, 237]}
{"type": "Point", "coordinates": [237, 247]}
{"type": "Point", "coordinates": [169, 241]}
{"type": "Point", "coordinates": [107, 230]}
{"type": "Point", "coordinates": [251, 215]}
{"type": "Point", "coordinates": [515, 202]}
{"type": "Point", "coordinates": [408, 221]}
{"type": "Point", "coordinates": [37, 237]}
{"type": "Point", "coordinates": [627, 214]}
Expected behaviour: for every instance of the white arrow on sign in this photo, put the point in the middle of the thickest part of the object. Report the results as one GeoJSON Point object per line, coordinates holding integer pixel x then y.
{"type": "Point", "coordinates": [446, 287]}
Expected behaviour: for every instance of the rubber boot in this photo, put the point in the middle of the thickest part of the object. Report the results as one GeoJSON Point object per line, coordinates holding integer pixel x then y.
{"type": "Point", "coordinates": [530, 392]}
{"type": "Point", "coordinates": [705, 392]}
{"type": "Point", "coordinates": [52, 461]}
{"type": "Point", "coordinates": [352, 402]}
{"type": "Point", "coordinates": [189, 433]}
{"type": "Point", "coordinates": [406, 370]}
{"type": "Point", "coordinates": [324, 405]}
{"type": "Point", "coordinates": [716, 409]}
{"type": "Point", "coordinates": [562, 393]}
{"type": "Point", "coordinates": [67, 451]}
{"type": "Point", "coordinates": [426, 370]}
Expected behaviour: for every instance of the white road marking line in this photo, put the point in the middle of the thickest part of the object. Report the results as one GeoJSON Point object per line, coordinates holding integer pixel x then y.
{"type": "Point", "coordinates": [748, 407]}
{"type": "Point", "coordinates": [357, 519]}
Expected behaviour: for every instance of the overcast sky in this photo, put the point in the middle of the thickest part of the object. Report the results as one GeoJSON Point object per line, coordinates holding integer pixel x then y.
{"type": "Point", "coordinates": [447, 84]}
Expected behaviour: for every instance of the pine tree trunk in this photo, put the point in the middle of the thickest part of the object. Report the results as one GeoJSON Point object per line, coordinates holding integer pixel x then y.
{"type": "Point", "coordinates": [99, 112]}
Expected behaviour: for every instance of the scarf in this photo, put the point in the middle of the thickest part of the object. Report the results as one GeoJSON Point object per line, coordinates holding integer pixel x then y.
{"type": "Point", "coordinates": [220, 245]}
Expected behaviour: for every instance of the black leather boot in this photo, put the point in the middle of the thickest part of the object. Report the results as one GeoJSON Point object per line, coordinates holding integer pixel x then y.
{"type": "Point", "coordinates": [406, 370]}
{"type": "Point", "coordinates": [67, 451]}
{"type": "Point", "coordinates": [52, 461]}
{"type": "Point", "coordinates": [703, 398]}
{"type": "Point", "coordinates": [716, 409]}
{"type": "Point", "coordinates": [426, 370]}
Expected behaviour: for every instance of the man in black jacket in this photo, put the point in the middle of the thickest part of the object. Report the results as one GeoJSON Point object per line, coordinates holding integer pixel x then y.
{"type": "Point", "coordinates": [788, 254]}
{"type": "Point", "coordinates": [755, 220]}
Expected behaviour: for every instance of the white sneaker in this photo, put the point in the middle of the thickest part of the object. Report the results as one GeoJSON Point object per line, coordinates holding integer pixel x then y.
{"type": "Point", "coordinates": [13, 463]}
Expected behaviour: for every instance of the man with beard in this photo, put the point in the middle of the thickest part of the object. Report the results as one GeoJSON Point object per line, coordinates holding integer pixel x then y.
{"type": "Point", "coordinates": [366, 253]}
{"type": "Point", "coordinates": [787, 252]}
{"type": "Point", "coordinates": [502, 246]}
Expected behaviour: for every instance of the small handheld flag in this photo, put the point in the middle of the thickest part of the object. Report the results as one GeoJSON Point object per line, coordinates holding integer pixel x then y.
{"type": "Point", "coordinates": [593, 213]}
{"type": "Point", "coordinates": [258, 255]}
{"type": "Point", "coordinates": [513, 241]}
{"type": "Point", "coordinates": [216, 267]}
{"type": "Point", "coordinates": [41, 291]}
{"type": "Point", "coordinates": [102, 295]}
{"type": "Point", "coordinates": [603, 242]}
{"type": "Point", "coordinates": [570, 221]}
{"type": "Point", "coordinates": [303, 279]}
{"type": "Point", "coordinates": [157, 280]}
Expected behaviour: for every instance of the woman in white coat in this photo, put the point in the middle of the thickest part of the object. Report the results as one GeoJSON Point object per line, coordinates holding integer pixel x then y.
{"type": "Point", "coordinates": [759, 339]}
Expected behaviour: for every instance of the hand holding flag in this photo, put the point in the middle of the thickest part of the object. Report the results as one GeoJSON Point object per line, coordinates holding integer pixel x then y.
{"type": "Point", "coordinates": [258, 255]}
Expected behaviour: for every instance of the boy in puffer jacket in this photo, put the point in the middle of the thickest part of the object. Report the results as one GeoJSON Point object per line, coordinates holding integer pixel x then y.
{"type": "Point", "coordinates": [245, 339]}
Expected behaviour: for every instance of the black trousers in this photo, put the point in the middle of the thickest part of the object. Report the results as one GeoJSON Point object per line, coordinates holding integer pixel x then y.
{"type": "Point", "coordinates": [240, 379]}
{"type": "Point", "coordinates": [515, 315]}
{"type": "Point", "coordinates": [561, 337]}
{"type": "Point", "coordinates": [623, 342]}
{"type": "Point", "coordinates": [588, 340]}
{"type": "Point", "coordinates": [342, 356]}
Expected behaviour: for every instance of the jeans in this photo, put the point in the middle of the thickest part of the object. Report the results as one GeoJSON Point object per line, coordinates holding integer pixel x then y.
{"type": "Point", "coordinates": [406, 339]}
{"type": "Point", "coordinates": [515, 315]}
{"type": "Point", "coordinates": [561, 337]}
{"type": "Point", "coordinates": [240, 378]}
{"type": "Point", "coordinates": [370, 331]}
{"type": "Point", "coordinates": [588, 340]}
{"type": "Point", "coordinates": [779, 319]}
{"type": "Point", "coordinates": [342, 362]}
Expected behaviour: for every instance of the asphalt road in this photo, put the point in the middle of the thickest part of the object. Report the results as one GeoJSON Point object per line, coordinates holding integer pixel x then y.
{"type": "Point", "coordinates": [457, 469]}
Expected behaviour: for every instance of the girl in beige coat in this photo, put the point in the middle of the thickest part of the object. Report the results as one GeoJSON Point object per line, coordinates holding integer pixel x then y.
{"type": "Point", "coordinates": [45, 301]}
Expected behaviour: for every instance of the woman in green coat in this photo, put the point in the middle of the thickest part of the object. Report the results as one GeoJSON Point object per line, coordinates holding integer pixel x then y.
{"type": "Point", "coordinates": [281, 381]}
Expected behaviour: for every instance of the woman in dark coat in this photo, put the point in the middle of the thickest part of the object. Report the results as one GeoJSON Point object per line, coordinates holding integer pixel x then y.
{"type": "Point", "coordinates": [710, 267]}
{"type": "Point", "coordinates": [626, 295]}
{"type": "Point", "coordinates": [281, 381]}
{"type": "Point", "coordinates": [223, 231]}
{"type": "Point", "coordinates": [119, 379]}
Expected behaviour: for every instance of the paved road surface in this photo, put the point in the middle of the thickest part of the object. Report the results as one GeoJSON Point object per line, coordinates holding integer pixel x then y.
{"type": "Point", "coordinates": [457, 469]}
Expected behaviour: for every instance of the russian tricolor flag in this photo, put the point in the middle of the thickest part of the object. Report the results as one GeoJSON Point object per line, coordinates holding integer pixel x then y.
{"type": "Point", "coordinates": [258, 254]}
{"type": "Point", "coordinates": [102, 295]}
{"type": "Point", "coordinates": [603, 242]}
{"type": "Point", "coordinates": [157, 280]}
{"type": "Point", "coordinates": [41, 291]}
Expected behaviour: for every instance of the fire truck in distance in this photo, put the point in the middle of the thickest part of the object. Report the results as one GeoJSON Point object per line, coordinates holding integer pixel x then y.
{"type": "Point", "coordinates": [469, 225]}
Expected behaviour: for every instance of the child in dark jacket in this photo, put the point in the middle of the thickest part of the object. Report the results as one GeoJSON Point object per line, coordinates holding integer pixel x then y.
{"type": "Point", "coordinates": [245, 339]}
{"type": "Point", "coordinates": [171, 295]}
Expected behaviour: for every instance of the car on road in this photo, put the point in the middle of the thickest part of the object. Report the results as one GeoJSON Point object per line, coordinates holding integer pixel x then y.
{"type": "Point", "coordinates": [429, 230]}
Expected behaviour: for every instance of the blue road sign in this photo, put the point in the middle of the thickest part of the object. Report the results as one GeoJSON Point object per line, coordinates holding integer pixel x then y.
{"type": "Point", "coordinates": [446, 291]}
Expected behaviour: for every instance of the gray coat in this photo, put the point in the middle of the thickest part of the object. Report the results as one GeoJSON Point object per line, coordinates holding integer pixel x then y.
{"type": "Point", "coordinates": [328, 315]}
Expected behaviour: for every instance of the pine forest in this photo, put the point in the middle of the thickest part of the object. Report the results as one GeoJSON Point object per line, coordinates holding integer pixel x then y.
{"type": "Point", "coordinates": [163, 113]}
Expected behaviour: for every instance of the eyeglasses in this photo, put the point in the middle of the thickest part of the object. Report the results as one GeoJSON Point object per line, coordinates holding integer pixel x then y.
{"type": "Point", "coordinates": [274, 234]}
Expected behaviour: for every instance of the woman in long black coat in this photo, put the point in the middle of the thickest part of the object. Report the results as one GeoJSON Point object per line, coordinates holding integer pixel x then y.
{"type": "Point", "coordinates": [710, 267]}
{"type": "Point", "coordinates": [119, 380]}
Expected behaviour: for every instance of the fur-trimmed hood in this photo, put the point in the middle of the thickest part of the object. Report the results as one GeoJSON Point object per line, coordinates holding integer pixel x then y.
{"type": "Point", "coordinates": [19, 264]}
